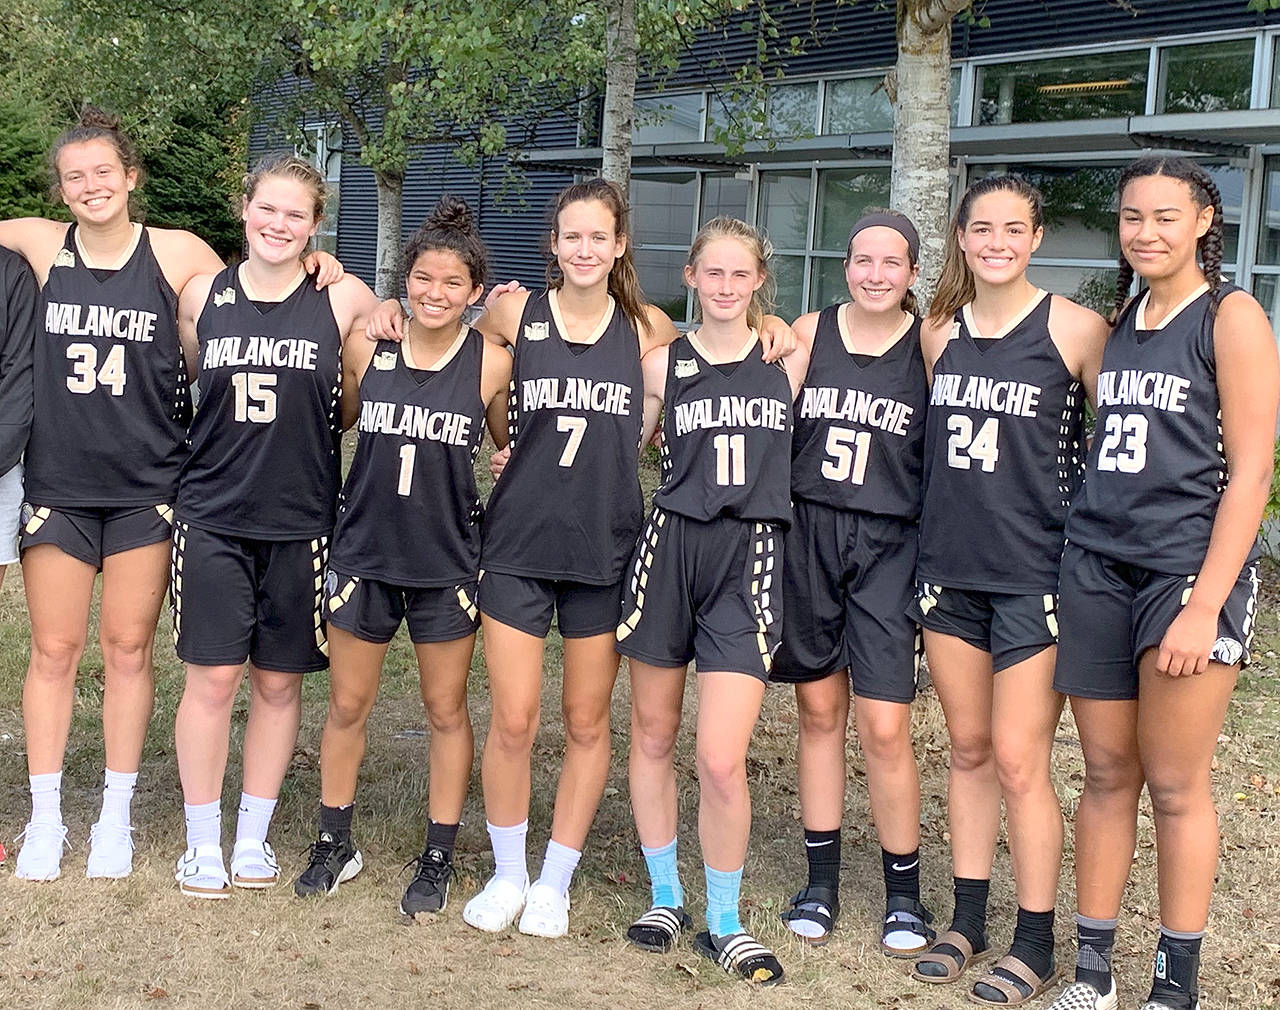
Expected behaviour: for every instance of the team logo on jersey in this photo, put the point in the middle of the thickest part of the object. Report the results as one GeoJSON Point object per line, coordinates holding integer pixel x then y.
{"type": "Point", "coordinates": [224, 297]}
{"type": "Point", "coordinates": [537, 331]}
{"type": "Point", "coordinates": [686, 368]}
{"type": "Point", "coordinates": [65, 258]}
{"type": "Point", "coordinates": [384, 361]}
{"type": "Point", "coordinates": [1227, 651]}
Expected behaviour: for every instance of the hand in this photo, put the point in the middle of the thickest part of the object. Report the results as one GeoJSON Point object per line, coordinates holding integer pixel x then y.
{"type": "Point", "coordinates": [498, 462]}
{"type": "Point", "coordinates": [776, 338]}
{"type": "Point", "coordinates": [1184, 650]}
{"type": "Point", "coordinates": [386, 322]}
{"type": "Point", "coordinates": [499, 290]}
{"type": "Point", "coordinates": [325, 266]}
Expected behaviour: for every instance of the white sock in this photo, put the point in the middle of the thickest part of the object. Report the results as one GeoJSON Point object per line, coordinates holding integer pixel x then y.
{"type": "Point", "coordinates": [46, 797]}
{"type": "Point", "coordinates": [509, 862]}
{"type": "Point", "coordinates": [558, 866]}
{"type": "Point", "coordinates": [117, 796]}
{"type": "Point", "coordinates": [204, 823]}
{"type": "Point", "coordinates": [255, 817]}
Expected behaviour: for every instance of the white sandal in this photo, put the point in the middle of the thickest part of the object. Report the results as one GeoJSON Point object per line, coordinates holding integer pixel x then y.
{"type": "Point", "coordinates": [546, 912]}
{"type": "Point", "coordinates": [495, 908]}
{"type": "Point", "coordinates": [200, 873]}
{"type": "Point", "coordinates": [253, 865]}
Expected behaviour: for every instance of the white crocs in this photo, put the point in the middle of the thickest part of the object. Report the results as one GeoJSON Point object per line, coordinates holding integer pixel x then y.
{"type": "Point", "coordinates": [546, 912]}
{"type": "Point", "coordinates": [110, 851]}
{"type": "Point", "coordinates": [200, 873]}
{"type": "Point", "coordinates": [495, 908]}
{"type": "Point", "coordinates": [253, 865]}
{"type": "Point", "coordinates": [40, 857]}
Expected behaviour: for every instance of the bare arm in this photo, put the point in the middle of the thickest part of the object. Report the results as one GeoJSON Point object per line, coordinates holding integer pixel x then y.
{"type": "Point", "coordinates": [654, 368]}
{"type": "Point", "coordinates": [495, 382]}
{"type": "Point", "coordinates": [796, 365]}
{"type": "Point", "coordinates": [183, 256]}
{"type": "Point", "coordinates": [1079, 334]}
{"type": "Point", "coordinates": [356, 355]}
{"type": "Point", "coordinates": [501, 323]}
{"type": "Point", "coordinates": [933, 338]}
{"type": "Point", "coordinates": [776, 338]}
{"type": "Point", "coordinates": [353, 304]}
{"type": "Point", "coordinates": [191, 303]}
{"type": "Point", "coordinates": [660, 332]}
{"type": "Point", "coordinates": [806, 328]}
{"type": "Point", "coordinates": [34, 239]}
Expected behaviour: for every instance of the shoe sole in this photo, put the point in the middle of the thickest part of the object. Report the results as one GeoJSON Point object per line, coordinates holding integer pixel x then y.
{"type": "Point", "coordinates": [545, 934]}
{"type": "Point", "coordinates": [347, 872]}
{"type": "Point", "coordinates": [39, 880]}
{"type": "Point", "coordinates": [89, 874]}
{"type": "Point", "coordinates": [493, 929]}
{"type": "Point", "coordinates": [255, 883]}
{"type": "Point", "coordinates": [204, 892]}
{"type": "Point", "coordinates": [429, 911]}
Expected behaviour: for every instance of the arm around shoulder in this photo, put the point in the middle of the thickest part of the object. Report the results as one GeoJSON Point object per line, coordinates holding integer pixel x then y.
{"type": "Point", "coordinates": [501, 323]}
{"type": "Point", "coordinates": [495, 385]}
{"type": "Point", "coordinates": [183, 256]}
{"type": "Point", "coordinates": [660, 332]}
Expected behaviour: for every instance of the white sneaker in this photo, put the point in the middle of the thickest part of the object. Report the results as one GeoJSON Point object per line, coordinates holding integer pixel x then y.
{"type": "Point", "coordinates": [40, 857]}
{"type": "Point", "coordinates": [546, 912]}
{"type": "Point", "coordinates": [201, 874]}
{"type": "Point", "coordinates": [1152, 1004]}
{"type": "Point", "coordinates": [1083, 996]}
{"type": "Point", "coordinates": [495, 908]}
{"type": "Point", "coordinates": [110, 851]}
{"type": "Point", "coordinates": [253, 865]}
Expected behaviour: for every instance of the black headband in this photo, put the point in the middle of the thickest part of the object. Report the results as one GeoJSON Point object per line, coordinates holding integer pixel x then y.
{"type": "Point", "coordinates": [897, 222]}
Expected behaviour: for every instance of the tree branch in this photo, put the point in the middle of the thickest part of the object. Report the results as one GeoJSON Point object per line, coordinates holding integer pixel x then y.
{"type": "Point", "coordinates": [934, 15]}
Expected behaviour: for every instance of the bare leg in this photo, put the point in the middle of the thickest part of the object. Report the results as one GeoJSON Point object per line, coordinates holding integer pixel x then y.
{"type": "Point", "coordinates": [355, 668]}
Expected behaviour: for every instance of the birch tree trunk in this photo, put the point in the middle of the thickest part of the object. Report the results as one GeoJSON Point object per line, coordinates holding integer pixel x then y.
{"type": "Point", "coordinates": [619, 92]}
{"type": "Point", "coordinates": [387, 270]}
{"type": "Point", "coordinates": [920, 90]}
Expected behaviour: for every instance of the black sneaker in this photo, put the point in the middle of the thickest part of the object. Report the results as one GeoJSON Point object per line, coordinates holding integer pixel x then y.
{"type": "Point", "coordinates": [429, 889]}
{"type": "Point", "coordinates": [332, 862]}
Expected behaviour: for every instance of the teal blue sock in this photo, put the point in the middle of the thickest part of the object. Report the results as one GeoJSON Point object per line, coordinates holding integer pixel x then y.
{"type": "Point", "coordinates": [664, 876]}
{"type": "Point", "coordinates": [723, 888]}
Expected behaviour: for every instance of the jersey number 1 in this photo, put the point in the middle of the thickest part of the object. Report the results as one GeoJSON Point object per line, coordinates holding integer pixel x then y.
{"type": "Point", "coordinates": [85, 375]}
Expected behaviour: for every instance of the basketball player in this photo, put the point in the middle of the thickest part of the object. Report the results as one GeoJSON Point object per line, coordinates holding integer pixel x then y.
{"type": "Point", "coordinates": [254, 513]}
{"type": "Point", "coordinates": [1159, 578]}
{"type": "Point", "coordinates": [111, 408]}
{"type": "Point", "coordinates": [704, 585]}
{"type": "Point", "coordinates": [1010, 367]}
{"type": "Point", "coordinates": [407, 544]}
{"type": "Point", "coordinates": [849, 575]}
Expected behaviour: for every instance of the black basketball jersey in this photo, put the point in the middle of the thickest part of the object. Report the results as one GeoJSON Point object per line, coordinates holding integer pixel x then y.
{"type": "Point", "coordinates": [1004, 447]}
{"type": "Point", "coordinates": [859, 438]}
{"type": "Point", "coordinates": [1156, 468]}
{"type": "Point", "coordinates": [409, 514]}
{"type": "Point", "coordinates": [264, 453]}
{"type": "Point", "coordinates": [111, 394]}
{"type": "Point", "coordinates": [726, 437]}
{"type": "Point", "coordinates": [568, 504]}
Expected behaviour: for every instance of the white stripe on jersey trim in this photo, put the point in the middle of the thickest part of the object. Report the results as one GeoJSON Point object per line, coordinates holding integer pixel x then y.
{"type": "Point", "coordinates": [319, 560]}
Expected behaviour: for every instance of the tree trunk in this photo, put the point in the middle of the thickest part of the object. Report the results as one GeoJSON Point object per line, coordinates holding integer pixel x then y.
{"type": "Point", "coordinates": [920, 89]}
{"type": "Point", "coordinates": [387, 270]}
{"type": "Point", "coordinates": [619, 92]}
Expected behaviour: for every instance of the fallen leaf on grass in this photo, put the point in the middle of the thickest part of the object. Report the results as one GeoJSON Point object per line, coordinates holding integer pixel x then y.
{"type": "Point", "coordinates": [155, 992]}
{"type": "Point", "coordinates": [310, 1005]}
{"type": "Point", "coordinates": [686, 969]}
{"type": "Point", "coordinates": [505, 951]}
{"type": "Point", "coordinates": [517, 986]}
{"type": "Point", "coordinates": [1249, 913]}
{"type": "Point", "coordinates": [33, 974]}
{"type": "Point", "coordinates": [414, 969]}
{"type": "Point", "coordinates": [78, 966]}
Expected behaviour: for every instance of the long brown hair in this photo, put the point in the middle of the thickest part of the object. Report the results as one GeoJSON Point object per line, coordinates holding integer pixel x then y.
{"type": "Point", "coordinates": [624, 282]}
{"type": "Point", "coordinates": [955, 286]}
{"type": "Point", "coordinates": [756, 244]}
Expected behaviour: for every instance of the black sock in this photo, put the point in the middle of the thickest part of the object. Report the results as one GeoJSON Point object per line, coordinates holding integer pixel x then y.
{"type": "Point", "coordinates": [336, 821]}
{"type": "Point", "coordinates": [823, 851]}
{"type": "Point", "coordinates": [1033, 940]}
{"type": "Point", "coordinates": [970, 918]}
{"type": "Point", "coordinates": [1095, 939]}
{"type": "Point", "coordinates": [901, 874]}
{"type": "Point", "coordinates": [442, 837]}
{"type": "Point", "coordinates": [1175, 980]}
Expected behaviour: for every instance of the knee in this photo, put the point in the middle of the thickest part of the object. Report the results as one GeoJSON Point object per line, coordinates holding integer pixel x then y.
{"type": "Point", "coordinates": [1175, 794]}
{"type": "Point", "coordinates": [512, 730]}
{"type": "Point", "coordinates": [722, 777]}
{"type": "Point", "coordinates": [1112, 776]}
{"type": "Point", "coordinates": [886, 741]}
{"type": "Point", "coordinates": [1020, 770]}
{"type": "Point", "coordinates": [584, 726]}
{"type": "Point", "coordinates": [448, 717]}
{"type": "Point", "coordinates": [971, 752]}
{"type": "Point", "coordinates": [126, 655]}
{"type": "Point", "coordinates": [279, 691]}
{"type": "Point", "coordinates": [654, 737]}
{"type": "Point", "coordinates": [348, 710]}
{"type": "Point", "coordinates": [214, 687]}
{"type": "Point", "coordinates": [822, 721]}
{"type": "Point", "coordinates": [55, 657]}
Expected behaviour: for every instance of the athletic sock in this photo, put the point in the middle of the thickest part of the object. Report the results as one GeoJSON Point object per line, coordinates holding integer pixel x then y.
{"type": "Point", "coordinates": [901, 874]}
{"type": "Point", "coordinates": [970, 917]}
{"type": "Point", "coordinates": [204, 823]}
{"type": "Point", "coordinates": [46, 797]}
{"type": "Point", "coordinates": [509, 861]}
{"type": "Point", "coordinates": [255, 818]}
{"type": "Point", "coordinates": [336, 821]}
{"type": "Point", "coordinates": [1175, 980]}
{"type": "Point", "coordinates": [822, 849]}
{"type": "Point", "coordinates": [558, 865]}
{"type": "Point", "coordinates": [117, 797]}
{"type": "Point", "coordinates": [443, 837]}
{"type": "Point", "coordinates": [664, 875]}
{"type": "Point", "coordinates": [1095, 939]}
{"type": "Point", "coordinates": [1033, 940]}
{"type": "Point", "coordinates": [723, 889]}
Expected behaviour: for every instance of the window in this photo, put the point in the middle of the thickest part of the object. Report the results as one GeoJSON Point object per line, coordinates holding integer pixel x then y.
{"type": "Point", "coordinates": [667, 119]}
{"type": "Point", "coordinates": [791, 110]}
{"type": "Point", "coordinates": [322, 146]}
{"type": "Point", "coordinates": [663, 208]}
{"type": "Point", "coordinates": [1071, 87]}
{"type": "Point", "coordinates": [724, 194]}
{"type": "Point", "coordinates": [1206, 78]}
{"type": "Point", "coordinates": [859, 105]}
{"type": "Point", "coordinates": [1266, 271]}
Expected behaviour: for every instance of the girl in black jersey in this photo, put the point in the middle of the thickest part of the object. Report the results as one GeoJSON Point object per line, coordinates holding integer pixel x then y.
{"type": "Point", "coordinates": [1010, 367]}
{"type": "Point", "coordinates": [111, 408]}
{"type": "Point", "coordinates": [254, 513]}
{"type": "Point", "coordinates": [1159, 577]}
{"type": "Point", "coordinates": [849, 575]}
{"type": "Point", "coordinates": [704, 585]}
{"type": "Point", "coordinates": [407, 544]}
{"type": "Point", "coordinates": [560, 524]}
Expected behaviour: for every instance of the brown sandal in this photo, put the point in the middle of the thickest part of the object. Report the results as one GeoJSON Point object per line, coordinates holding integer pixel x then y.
{"type": "Point", "coordinates": [1013, 994]}
{"type": "Point", "coordinates": [954, 966]}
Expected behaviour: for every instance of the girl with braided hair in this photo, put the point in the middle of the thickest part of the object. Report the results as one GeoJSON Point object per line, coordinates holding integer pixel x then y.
{"type": "Point", "coordinates": [1159, 577]}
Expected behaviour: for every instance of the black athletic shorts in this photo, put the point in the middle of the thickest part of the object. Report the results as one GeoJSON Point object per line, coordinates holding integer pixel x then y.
{"type": "Point", "coordinates": [526, 603]}
{"type": "Point", "coordinates": [237, 598]}
{"type": "Point", "coordinates": [372, 610]}
{"type": "Point", "coordinates": [1010, 627]}
{"type": "Point", "coordinates": [847, 580]}
{"type": "Point", "coordinates": [704, 591]}
{"type": "Point", "coordinates": [1112, 612]}
{"type": "Point", "coordinates": [91, 534]}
